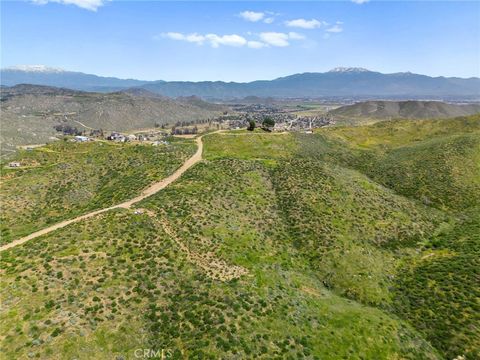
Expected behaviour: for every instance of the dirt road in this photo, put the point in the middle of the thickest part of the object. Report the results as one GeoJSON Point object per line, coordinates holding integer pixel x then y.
{"type": "Point", "coordinates": [82, 124]}
{"type": "Point", "coordinates": [156, 187]}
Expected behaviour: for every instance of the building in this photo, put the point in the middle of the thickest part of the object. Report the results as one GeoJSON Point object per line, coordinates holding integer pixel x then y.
{"type": "Point", "coordinates": [80, 138]}
{"type": "Point", "coordinates": [14, 164]}
{"type": "Point", "coordinates": [117, 137]}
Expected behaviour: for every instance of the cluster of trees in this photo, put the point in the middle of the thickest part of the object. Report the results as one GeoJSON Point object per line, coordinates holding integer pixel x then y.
{"type": "Point", "coordinates": [96, 133]}
{"type": "Point", "coordinates": [67, 129]}
{"type": "Point", "coordinates": [186, 131]}
{"type": "Point", "coordinates": [267, 124]}
{"type": "Point", "coordinates": [188, 123]}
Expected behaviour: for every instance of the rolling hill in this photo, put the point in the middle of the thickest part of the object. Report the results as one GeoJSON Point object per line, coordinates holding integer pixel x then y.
{"type": "Point", "coordinates": [91, 175]}
{"type": "Point", "coordinates": [404, 110]}
{"type": "Point", "coordinates": [29, 112]}
{"type": "Point", "coordinates": [345, 243]}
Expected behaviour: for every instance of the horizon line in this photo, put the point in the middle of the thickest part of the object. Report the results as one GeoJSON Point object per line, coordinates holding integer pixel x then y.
{"type": "Point", "coordinates": [337, 69]}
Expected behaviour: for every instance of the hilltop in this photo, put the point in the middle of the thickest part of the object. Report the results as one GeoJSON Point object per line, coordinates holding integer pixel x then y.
{"type": "Point", "coordinates": [29, 112]}
{"type": "Point", "coordinates": [403, 110]}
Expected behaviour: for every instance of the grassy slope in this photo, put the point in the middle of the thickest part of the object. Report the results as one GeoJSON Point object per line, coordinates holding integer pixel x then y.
{"type": "Point", "coordinates": [65, 179]}
{"type": "Point", "coordinates": [438, 290]}
{"type": "Point", "coordinates": [364, 112]}
{"type": "Point", "coordinates": [442, 172]}
{"type": "Point", "coordinates": [436, 163]}
{"type": "Point", "coordinates": [162, 301]}
{"type": "Point", "coordinates": [347, 224]}
{"type": "Point", "coordinates": [335, 261]}
{"type": "Point", "coordinates": [249, 146]}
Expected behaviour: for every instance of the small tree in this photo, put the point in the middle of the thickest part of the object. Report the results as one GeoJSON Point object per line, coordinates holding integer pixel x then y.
{"type": "Point", "coordinates": [251, 125]}
{"type": "Point", "coordinates": [268, 123]}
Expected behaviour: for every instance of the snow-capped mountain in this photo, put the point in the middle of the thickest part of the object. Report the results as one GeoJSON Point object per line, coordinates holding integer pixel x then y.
{"type": "Point", "coordinates": [50, 76]}
{"type": "Point", "coordinates": [348, 70]}
{"type": "Point", "coordinates": [35, 69]}
{"type": "Point", "coordinates": [341, 81]}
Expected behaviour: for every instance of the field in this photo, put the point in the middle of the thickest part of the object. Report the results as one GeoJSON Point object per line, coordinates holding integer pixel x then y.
{"type": "Point", "coordinates": [249, 146]}
{"type": "Point", "coordinates": [276, 246]}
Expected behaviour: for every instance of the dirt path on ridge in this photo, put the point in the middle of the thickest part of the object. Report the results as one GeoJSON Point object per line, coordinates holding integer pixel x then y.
{"type": "Point", "coordinates": [152, 189]}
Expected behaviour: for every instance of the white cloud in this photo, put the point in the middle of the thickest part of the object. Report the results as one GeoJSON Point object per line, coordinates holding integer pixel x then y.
{"type": "Point", "coordinates": [304, 24]}
{"type": "Point", "coordinates": [295, 36]}
{"type": "Point", "coordinates": [279, 39]}
{"type": "Point", "coordinates": [213, 40]}
{"type": "Point", "coordinates": [252, 16]}
{"type": "Point", "coordinates": [266, 39]}
{"type": "Point", "coordinates": [275, 38]}
{"type": "Point", "coordinates": [227, 40]}
{"type": "Point", "coordinates": [195, 38]}
{"type": "Point", "coordinates": [256, 44]}
{"type": "Point", "coordinates": [192, 38]}
{"type": "Point", "coordinates": [174, 36]}
{"type": "Point", "coordinates": [335, 29]}
{"type": "Point", "coordinates": [91, 5]}
{"type": "Point", "coordinates": [269, 20]}
{"type": "Point", "coordinates": [360, 1]}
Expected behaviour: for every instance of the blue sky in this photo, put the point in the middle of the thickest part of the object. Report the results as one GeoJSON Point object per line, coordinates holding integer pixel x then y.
{"type": "Point", "coordinates": [241, 41]}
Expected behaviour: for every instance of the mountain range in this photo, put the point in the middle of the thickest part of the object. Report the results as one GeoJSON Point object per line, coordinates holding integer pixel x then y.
{"type": "Point", "coordinates": [48, 76]}
{"type": "Point", "coordinates": [340, 82]}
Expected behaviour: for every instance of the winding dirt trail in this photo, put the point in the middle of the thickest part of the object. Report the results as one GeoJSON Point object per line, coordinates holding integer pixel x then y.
{"type": "Point", "coordinates": [152, 189]}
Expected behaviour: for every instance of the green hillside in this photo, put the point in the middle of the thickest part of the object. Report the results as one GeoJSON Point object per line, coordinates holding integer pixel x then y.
{"type": "Point", "coordinates": [381, 110]}
{"type": "Point", "coordinates": [64, 179]}
{"type": "Point", "coordinates": [438, 290]}
{"type": "Point", "coordinates": [106, 287]}
{"type": "Point", "coordinates": [316, 246]}
{"type": "Point", "coordinates": [346, 224]}
{"type": "Point", "coordinates": [436, 162]}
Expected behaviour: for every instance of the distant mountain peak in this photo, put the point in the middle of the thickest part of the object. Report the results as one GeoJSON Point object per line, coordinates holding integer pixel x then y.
{"type": "Point", "coordinates": [348, 70]}
{"type": "Point", "coordinates": [35, 69]}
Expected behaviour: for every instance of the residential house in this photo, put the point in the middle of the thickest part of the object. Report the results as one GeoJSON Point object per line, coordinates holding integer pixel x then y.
{"type": "Point", "coordinates": [80, 138]}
